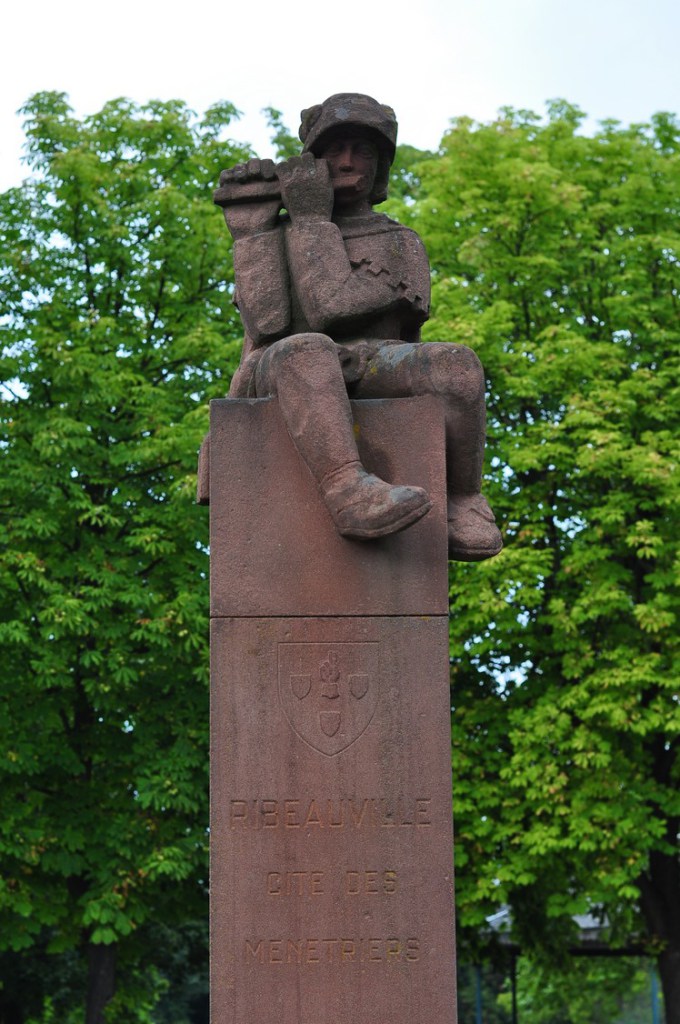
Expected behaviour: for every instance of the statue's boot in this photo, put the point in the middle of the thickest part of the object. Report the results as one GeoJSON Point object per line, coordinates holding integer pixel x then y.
{"type": "Point", "coordinates": [363, 506]}
{"type": "Point", "coordinates": [473, 534]}
{"type": "Point", "coordinates": [304, 372]}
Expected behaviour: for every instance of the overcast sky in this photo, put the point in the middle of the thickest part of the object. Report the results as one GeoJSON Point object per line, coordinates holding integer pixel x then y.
{"type": "Point", "coordinates": [429, 59]}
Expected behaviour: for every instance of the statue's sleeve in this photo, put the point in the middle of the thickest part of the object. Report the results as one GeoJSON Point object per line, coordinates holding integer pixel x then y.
{"type": "Point", "coordinates": [332, 288]}
{"type": "Point", "coordinates": [262, 286]}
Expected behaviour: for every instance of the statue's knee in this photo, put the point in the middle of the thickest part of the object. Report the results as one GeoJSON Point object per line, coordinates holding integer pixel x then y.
{"type": "Point", "coordinates": [293, 355]}
{"type": "Point", "coordinates": [306, 344]}
{"type": "Point", "coordinates": [455, 371]}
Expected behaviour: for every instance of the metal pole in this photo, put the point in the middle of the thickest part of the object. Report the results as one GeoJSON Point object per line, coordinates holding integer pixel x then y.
{"type": "Point", "coordinates": [513, 979]}
{"type": "Point", "coordinates": [656, 1016]}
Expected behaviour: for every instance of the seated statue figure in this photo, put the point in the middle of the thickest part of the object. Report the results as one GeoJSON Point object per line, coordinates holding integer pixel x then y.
{"type": "Point", "coordinates": [332, 297]}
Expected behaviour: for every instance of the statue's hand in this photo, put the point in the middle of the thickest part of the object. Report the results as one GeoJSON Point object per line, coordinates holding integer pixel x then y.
{"type": "Point", "coordinates": [306, 188]}
{"type": "Point", "coordinates": [256, 216]}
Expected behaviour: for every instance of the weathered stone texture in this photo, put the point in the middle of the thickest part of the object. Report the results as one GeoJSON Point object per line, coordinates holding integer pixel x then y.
{"type": "Point", "coordinates": [331, 832]}
{"type": "Point", "coordinates": [273, 547]}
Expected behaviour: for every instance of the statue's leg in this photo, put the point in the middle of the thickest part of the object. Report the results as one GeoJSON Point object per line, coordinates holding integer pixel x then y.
{"type": "Point", "coordinates": [304, 372]}
{"type": "Point", "coordinates": [455, 375]}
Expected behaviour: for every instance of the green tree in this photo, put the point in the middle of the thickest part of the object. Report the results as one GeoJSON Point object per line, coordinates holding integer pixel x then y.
{"type": "Point", "coordinates": [117, 328]}
{"type": "Point", "coordinates": [584, 990]}
{"type": "Point", "coordinates": [555, 256]}
{"type": "Point", "coordinates": [285, 144]}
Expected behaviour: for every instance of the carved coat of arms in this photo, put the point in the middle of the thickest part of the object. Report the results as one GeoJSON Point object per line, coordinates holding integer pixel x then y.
{"type": "Point", "coordinates": [328, 692]}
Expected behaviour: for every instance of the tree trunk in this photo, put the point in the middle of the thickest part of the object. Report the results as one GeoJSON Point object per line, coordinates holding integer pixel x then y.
{"type": "Point", "coordinates": [669, 970]}
{"type": "Point", "coordinates": [11, 1013]}
{"type": "Point", "coordinates": [101, 981]}
{"type": "Point", "coordinates": [660, 905]}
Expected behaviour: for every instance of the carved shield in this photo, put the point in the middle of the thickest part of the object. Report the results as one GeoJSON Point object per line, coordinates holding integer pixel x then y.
{"type": "Point", "coordinates": [328, 692]}
{"type": "Point", "coordinates": [301, 685]}
{"type": "Point", "coordinates": [329, 722]}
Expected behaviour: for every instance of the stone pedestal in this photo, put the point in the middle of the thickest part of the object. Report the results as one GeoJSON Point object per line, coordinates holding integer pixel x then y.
{"type": "Point", "coordinates": [331, 833]}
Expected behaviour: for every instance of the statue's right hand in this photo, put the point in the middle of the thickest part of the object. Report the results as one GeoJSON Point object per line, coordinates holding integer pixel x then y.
{"type": "Point", "coordinates": [306, 187]}
{"type": "Point", "coordinates": [257, 215]}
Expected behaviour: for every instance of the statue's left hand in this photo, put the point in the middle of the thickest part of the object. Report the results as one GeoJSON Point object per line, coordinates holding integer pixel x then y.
{"type": "Point", "coordinates": [306, 188]}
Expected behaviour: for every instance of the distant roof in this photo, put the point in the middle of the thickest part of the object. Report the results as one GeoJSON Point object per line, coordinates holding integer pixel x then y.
{"type": "Point", "coordinates": [593, 934]}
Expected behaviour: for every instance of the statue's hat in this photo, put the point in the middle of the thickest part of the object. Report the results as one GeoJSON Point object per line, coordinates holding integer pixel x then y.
{"type": "Point", "coordinates": [352, 110]}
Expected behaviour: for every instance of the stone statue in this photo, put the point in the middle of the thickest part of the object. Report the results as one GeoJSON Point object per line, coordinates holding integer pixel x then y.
{"type": "Point", "coordinates": [332, 297]}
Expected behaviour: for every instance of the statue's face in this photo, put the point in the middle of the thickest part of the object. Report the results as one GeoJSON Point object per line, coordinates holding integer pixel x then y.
{"type": "Point", "coordinates": [353, 163]}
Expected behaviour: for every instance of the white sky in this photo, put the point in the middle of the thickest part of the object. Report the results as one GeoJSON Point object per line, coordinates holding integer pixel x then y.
{"type": "Point", "coordinates": [429, 59]}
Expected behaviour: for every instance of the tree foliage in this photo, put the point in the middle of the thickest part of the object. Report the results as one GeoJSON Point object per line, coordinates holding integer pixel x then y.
{"type": "Point", "coordinates": [555, 256]}
{"type": "Point", "coordinates": [117, 327]}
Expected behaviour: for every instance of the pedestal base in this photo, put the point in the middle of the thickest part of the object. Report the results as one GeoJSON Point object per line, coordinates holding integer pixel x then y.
{"type": "Point", "coordinates": [331, 833]}
{"type": "Point", "coordinates": [332, 872]}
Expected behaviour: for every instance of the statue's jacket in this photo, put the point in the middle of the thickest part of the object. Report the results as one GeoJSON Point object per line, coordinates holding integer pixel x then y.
{"type": "Point", "coordinates": [357, 279]}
